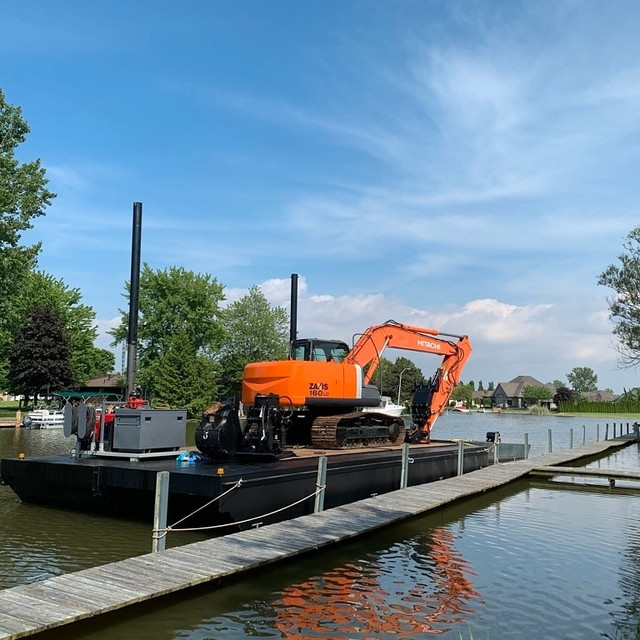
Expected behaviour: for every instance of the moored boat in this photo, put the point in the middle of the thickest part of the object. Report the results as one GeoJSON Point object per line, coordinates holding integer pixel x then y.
{"type": "Point", "coordinates": [387, 406]}
{"type": "Point", "coordinates": [44, 419]}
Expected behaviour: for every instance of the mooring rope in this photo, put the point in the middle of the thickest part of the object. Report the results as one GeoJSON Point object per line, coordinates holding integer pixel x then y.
{"type": "Point", "coordinates": [161, 533]}
{"type": "Point", "coordinates": [204, 506]}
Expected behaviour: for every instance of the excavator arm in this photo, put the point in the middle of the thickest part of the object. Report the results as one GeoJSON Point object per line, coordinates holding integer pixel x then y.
{"type": "Point", "coordinates": [370, 346]}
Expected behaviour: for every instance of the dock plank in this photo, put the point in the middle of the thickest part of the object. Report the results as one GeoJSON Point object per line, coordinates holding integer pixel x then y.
{"type": "Point", "coordinates": [29, 609]}
{"type": "Point", "coordinates": [616, 474]}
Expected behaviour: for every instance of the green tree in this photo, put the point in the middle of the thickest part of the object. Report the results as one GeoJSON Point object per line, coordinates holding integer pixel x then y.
{"type": "Point", "coordinates": [103, 363]}
{"type": "Point", "coordinates": [384, 378]}
{"type": "Point", "coordinates": [78, 320]}
{"type": "Point", "coordinates": [463, 393]}
{"type": "Point", "coordinates": [171, 302]}
{"type": "Point", "coordinates": [405, 374]}
{"type": "Point", "coordinates": [582, 379]}
{"type": "Point", "coordinates": [40, 359]}
{"type": "Point", "coordinates": [490, 387]}
{"type": "Point", "coordinates": [624, 307]}
{"type": "Point", "coordinates": [182, 379]}
{"type": "Point", "coordinates": [535, 394]}
{"type": "Point", "coordinates": [558, 384]}
{"type": "Point", "coordinates": [23, 197]}
{"type": "Point", "coordinates": [256, 332]}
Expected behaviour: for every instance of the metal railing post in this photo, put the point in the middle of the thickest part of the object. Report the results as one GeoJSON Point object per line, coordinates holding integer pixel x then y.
{"type": "Point", "coordinates": [159, 535]}
{"type": "Point", "coordinates": [460, 457]}
{"type": "Point", "coordinates": [321, 484]}
{"type": "Point", "coordinates": [549, 444]}
{"type": "Point", "coordinates": [404, 473]}
{"type": "Point", "coordinates": [526, 446]}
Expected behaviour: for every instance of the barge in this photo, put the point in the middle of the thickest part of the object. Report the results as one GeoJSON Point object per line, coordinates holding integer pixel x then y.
{"type": "Point", "coordinates": [254, 493]}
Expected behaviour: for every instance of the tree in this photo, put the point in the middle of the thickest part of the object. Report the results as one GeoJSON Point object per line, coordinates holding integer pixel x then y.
{"type": "Point", "coordinates": [171, 302]}
{"type": "Point", "coordinates": [40, 359]}
{"type": "Point", "coordinates": [183, 379]}
{"type": "Point", "coordinates": [490, 387]}
{"type": "Point", "coordinates": [256, 332]}
{"type": "Point", "coordinates": [384, 379]}
{"type": "Point", "coordinates": [624, 307]}
{"type": "Point", "coordinates": [535, 394]}
{"type": "Point", "coordinates": [23, 197]}
{"type": "Point", "coordinates": [564, 394]}
{"type": "Point", "coordinates": [558, 384]}
{"type": "Point", "coordinates": [463, 393]}
{"type": "Point", "coordinates": [78, 320]}
{"type": "Point", "coordinates": [405, 374]}
{"type": "Point", "coordinates": [103, 363]}
{"type": "Point", "coordinates": [582, 379]}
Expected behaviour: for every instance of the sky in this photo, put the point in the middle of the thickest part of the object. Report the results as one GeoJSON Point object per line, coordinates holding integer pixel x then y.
{"type": "Point", "coordinates": [468, 166]}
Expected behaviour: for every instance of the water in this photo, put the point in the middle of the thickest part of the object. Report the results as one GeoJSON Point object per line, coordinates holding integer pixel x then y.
{"type": "Point", "coordinates": [529, 561]}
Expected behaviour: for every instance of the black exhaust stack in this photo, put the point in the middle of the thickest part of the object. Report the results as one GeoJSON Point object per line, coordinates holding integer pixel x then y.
{"type": "Point", "coordinates": [134, 290]}
{"type": "Point", "coordinates": [293, 321]}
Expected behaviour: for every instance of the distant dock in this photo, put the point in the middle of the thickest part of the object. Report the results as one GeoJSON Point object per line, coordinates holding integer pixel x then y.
{"type": "Point", "coordinates": [30, 609]}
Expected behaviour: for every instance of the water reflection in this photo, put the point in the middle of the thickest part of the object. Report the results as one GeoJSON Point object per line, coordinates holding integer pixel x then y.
{"type": "Point", "coordinates": [626, 605]}
{"type": "Point", "coordinates": [421, 585]}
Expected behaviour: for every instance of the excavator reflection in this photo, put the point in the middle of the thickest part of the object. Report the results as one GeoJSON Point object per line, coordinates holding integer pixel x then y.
{"type": "Point", "coordinates": [423, 588]}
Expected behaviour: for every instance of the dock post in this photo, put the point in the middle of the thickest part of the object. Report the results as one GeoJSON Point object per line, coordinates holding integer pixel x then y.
{"type": "Point", "coordinates": [606, 431]}
{"type": "Point", "coordinates": [571, 438]}
{"type": "Point", "coordinates": [460, 457]}
{"type": "Point", "coordinates": [597, 433]}
{"type": "Point", "coordinates": [636, 429]}
{"type": "Point", "coordinates": [159, 535]}
{"type": "Point", "coordinates": [18, 419]}
{"type": "Point", "coordinates": [526, 446]}
{"type": "Point", "coordinates": [404, 474]}
{"type": "Point", "coordinates": [584, 434]}
{"type": "Point", "coordinates": [550, 446]}
{"type": "Point", "coordinates": [321, 484]}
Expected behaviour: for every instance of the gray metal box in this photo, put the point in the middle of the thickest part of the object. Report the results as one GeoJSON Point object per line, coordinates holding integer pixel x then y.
{"type": "Point", "coordinates": [143, 430]}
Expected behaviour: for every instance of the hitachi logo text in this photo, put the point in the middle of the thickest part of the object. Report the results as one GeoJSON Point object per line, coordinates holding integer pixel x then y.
{"type": "Point", "coordinates": [428, 344]}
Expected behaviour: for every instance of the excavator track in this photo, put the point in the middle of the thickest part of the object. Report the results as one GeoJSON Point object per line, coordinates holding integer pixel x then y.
{"type": "Point", "coordinates": [358, 429]}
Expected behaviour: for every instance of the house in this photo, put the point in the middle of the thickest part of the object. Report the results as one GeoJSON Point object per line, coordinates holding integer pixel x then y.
{"type": "Point", "coordinates": [600, 396]}
{"type": "Point", "coordinates": [509, 394]}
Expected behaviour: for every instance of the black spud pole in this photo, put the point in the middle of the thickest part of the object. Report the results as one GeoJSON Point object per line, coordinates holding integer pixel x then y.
{"type": "Point", "coordinates": [293, 320]}
{"type": "Point", "coordinates": [134, 290]}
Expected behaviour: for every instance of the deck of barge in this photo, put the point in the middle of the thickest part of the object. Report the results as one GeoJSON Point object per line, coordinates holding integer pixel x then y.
{"type": "Point", "coordinates": [58, 601]}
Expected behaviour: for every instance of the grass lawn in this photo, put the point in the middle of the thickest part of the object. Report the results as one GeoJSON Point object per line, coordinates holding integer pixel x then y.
{"type": "Point", "coordinates": [8, 409]}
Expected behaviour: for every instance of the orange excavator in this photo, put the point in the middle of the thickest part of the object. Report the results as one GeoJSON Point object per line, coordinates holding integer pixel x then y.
{"type": "Point", "coordinates": [322, 395]}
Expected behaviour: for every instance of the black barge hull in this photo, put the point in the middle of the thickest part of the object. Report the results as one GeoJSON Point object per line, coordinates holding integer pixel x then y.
{"type": "Point", "coordinates": [263, 491]}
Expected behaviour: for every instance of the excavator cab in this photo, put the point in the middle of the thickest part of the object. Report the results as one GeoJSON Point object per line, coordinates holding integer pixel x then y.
{"type": "Point", "coordinates": [312, 349]}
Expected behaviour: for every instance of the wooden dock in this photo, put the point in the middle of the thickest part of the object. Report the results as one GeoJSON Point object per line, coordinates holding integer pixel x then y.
{"type": "Point", "coordinates": [30, 609]}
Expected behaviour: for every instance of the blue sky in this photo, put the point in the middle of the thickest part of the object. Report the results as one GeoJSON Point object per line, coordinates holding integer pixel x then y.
{"type": "Point", "coordinates": [467, 166]}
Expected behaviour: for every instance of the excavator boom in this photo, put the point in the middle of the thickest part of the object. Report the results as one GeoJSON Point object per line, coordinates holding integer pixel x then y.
{"type": "Point", "coordinates": [370, 346]}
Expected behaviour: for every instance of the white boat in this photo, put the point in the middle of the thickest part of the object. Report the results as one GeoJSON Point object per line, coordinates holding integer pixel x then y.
{"type": "Point", "coordinates": [387, 406]}
{"type": "Point", "coordinates": [44, 419]}
{"type": "Point", "coordinates": [460, 408]}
